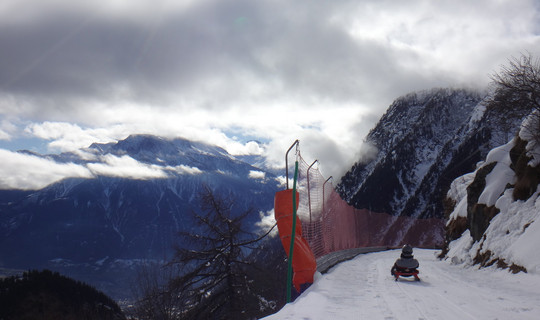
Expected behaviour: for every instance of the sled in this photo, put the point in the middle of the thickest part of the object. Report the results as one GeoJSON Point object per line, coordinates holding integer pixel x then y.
{"type": "Point", "coordinates": [406, 273]}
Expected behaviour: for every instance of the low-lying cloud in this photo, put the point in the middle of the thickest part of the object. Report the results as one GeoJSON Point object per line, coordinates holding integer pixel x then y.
{"type": "Point", "coordinates": [26, 171]}
{"type": "Point", "coordinates": [260, 175]}
{"type": "Point", "coordinates": [126, 167]}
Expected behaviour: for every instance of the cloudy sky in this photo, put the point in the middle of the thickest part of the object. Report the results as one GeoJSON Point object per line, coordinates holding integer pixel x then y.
{"type": "Point", "coordinates": [74, 72]}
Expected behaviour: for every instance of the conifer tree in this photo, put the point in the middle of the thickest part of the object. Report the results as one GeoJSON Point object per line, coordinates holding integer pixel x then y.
{"type": "Point", "coordinates": [215, 261]}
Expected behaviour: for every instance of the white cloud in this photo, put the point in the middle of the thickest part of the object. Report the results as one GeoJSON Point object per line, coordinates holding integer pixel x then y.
{"type": "Point", "coordinates": [249, 148]}
{"type": "Point", "coordinates": [256, 175]}
{"type": "Point", "coordinates": [7, 128]}
{"type": "Point", "coordinates": [183, 169]}
{"type": "Point", "coordinates": [70, 137]}
{"type": "Point", "coordinates": [24, 171]}
{"type": "Point", "coordinates": [460, 40]}
{"type": "Point", "coordinates": [267, 221]}
{"type": "Point", "coordinates": [4, 135]}
{"type": "Point", "coordinates": [126, 167]}
{"type": "Point", "coordinates": [27, 172]}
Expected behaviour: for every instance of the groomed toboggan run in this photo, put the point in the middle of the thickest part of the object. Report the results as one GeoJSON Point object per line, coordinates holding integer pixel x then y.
{"type": "Point", "coordinates": [363, 288]}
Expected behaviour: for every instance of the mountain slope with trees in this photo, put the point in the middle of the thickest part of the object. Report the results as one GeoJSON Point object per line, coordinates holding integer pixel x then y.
{"type": "Point", "coordinates": [49, 295]}
{"type": "Point", "coordinates": [216, 272]}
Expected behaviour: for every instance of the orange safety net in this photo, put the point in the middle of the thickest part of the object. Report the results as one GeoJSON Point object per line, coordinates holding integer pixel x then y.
{"type": "Point", "coordinates": [303, 262]}
{"type": "Point", "coordinates": [329, 224]}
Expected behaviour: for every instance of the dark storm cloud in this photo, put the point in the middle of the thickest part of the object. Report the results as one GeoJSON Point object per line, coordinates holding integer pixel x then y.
{"type": "Point", "coordinates": [73, 72]}
{"type": "Point", "coordinates": [210, 47]}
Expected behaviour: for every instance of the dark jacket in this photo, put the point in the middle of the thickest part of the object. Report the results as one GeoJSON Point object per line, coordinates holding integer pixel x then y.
{"type": "Point", "coordinates": [407, 260]}
{"type": "Point", "coordinates": [408, 263]}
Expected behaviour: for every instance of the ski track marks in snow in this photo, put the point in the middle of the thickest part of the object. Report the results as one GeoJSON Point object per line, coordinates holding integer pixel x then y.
{"type": "Point", "coordinates": [363, 288]}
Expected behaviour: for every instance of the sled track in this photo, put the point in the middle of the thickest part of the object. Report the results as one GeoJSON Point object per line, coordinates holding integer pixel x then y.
{"type": "Point", "coordinates": [363, 288]}
{"type": "Point", "coordinates": [419, 292]}
{"type": "Point", "coordinates": [426, 299]}
{"type": "Point", "coordinates": [424, 317]}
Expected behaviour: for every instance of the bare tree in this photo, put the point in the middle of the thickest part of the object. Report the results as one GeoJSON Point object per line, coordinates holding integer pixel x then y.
{"type": "Point", "coordinates": [214, 262]}
{"type": "Point", "coordinates": [516, 92]}
{"type": "Point", "coordinates": [155, 298]}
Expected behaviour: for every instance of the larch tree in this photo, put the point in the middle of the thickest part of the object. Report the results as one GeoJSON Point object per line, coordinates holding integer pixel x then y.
{"type": "Point", "coordinates": [214, 262]}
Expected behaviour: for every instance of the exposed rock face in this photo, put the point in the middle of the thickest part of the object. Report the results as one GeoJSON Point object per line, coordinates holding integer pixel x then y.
{"type": "Point", "coordinates": [528, 177]}
{"type": "Point", "coordinates": [424, 141]}
{"type": "Point", "coordinates": [478, 214]}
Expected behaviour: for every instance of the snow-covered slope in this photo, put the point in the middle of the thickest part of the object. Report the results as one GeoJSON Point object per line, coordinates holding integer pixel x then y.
{"type": "Point", "coordinates": [496, 209]}
{"type": "Point", "coordinates": [364, 289]}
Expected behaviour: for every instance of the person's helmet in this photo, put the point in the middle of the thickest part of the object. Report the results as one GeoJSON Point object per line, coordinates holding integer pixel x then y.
{"type": "Point", "coordinates": [407, 251]}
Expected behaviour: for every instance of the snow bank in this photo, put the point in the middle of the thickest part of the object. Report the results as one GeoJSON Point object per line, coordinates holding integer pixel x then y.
{"type": "Point", "coordinates": [500, 176]}
{"type": "Point", "coordinates": [458, 193]}
{"type": "Point", "coordinates": [514, 233]}
{"type": "Point", "coordinates": [529, 133]}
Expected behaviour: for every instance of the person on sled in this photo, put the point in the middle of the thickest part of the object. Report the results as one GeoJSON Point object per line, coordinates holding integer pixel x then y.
{"type": "Point", "coordinates": [406, 265]}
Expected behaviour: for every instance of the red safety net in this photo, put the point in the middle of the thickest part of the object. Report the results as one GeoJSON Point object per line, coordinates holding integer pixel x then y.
{"type": "Point", "coordinates": [329, 224]}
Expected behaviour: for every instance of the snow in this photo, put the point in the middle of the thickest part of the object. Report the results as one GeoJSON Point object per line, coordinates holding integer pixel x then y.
{"type": "Point", "coordinates": [458, 192]}
{"type": "Point", "coordinates": [500, 176]}
{"type": "Point", "coordinates": [514, 233]}
{"type": "Point", "coordinates": [460, 250]}
{"type": "Point", "coordinates": [477, 114]}
{"type": "Point", "coordinates": [529, 133]}
{"type": "Point", "coordinates": [496, 182]}
{"type": "Point", "coordinates": [363, 288]}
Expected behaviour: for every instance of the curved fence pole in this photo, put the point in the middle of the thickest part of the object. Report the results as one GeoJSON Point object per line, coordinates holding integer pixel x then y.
{"type": "Point", "coordinates": [323, 198]}
{"type": "Point", "coordinates": [287, 161]}
{"type": "Point", "coordinates": [293, 236]}
{"type": "Point", "coordinates": [308, 191]}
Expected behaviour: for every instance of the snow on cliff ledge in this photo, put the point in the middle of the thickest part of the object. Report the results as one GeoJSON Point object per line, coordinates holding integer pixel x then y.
{"type": "Point", "coordinates": [513, 235]}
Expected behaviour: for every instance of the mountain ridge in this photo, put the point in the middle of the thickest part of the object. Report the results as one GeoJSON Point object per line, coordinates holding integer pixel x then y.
{"type": "Point", "coordinates": [88, 227]}
{"type": "Point", "coordinates": [423, 142]}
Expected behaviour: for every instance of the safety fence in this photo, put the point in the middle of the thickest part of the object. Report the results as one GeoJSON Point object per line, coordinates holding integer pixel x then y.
{"type": "Point", "coordinates": [329, 224]}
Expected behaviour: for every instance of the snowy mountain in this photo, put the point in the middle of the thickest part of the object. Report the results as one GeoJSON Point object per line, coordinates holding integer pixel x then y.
{"type": "Point", "coordinates": [495, 210]}
{"type": "Point", "coordinates": [141, 195]}
{"type": "Point", "coordinates": [424, 141]}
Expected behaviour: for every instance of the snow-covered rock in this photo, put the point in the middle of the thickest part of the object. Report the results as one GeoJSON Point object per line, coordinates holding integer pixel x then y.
{"type": "Point", "coordinates": [511, 189]}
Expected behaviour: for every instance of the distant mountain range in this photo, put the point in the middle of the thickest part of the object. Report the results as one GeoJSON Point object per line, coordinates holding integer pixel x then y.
{"type": "Point", "coordinates": [98, 229]}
